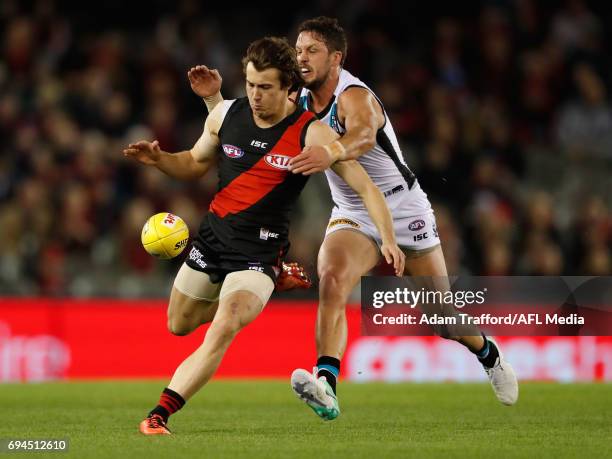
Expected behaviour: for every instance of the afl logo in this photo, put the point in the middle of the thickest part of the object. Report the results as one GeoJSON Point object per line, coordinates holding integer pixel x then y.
{"type": "Point", "coordinates": [232, 151]}
{"type": "Point", "coordinates": [278, 161]}
{"type": "Point", "coordinates": [416, 225]}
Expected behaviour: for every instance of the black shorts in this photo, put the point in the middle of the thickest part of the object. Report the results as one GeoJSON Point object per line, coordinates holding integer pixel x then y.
{"type": "Point", "coordinates": [209, 255]}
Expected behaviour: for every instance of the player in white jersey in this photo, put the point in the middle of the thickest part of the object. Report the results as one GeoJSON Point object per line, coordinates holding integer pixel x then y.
{"type": "Point", "coordinates": [351, 246]}
{"type": "Point", "coordinates": [413, 216]}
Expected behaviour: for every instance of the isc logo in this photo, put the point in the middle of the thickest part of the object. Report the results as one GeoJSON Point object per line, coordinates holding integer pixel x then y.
{"type": "Point", "coordinates": [169, 221]}
{"type": "Point", "coordinates": [278, 161]}
{"type": "Point", "coordinates": [420, 237]}
{"type": "Point", "coordinates": [265, 234]}
{"type": "Point", "coordinates": [259, 144]}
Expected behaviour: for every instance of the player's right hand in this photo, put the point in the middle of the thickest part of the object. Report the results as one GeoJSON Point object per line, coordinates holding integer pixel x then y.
{"type": "Point", "coordinates": [311, 160]}
{"type": "Point", "coordinates": [204, 81]}
{"type": "Point", "coordinates": [143, 151]}
{"type": "Point", "coordinates": [395, 257]}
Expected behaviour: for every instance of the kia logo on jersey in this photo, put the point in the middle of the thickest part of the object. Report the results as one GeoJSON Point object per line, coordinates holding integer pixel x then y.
{"type": "Point", "coordinates": [416, 225]}
{"type": "Point", "coordinates": [278, 161]}
{"type": "Point", "coordinates": [232, 151]}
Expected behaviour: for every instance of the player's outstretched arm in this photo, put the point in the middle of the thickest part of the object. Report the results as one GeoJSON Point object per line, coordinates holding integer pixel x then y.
{"type": "Point", "coordinates": [184, 165]}
{"type": "Point", "coordinates": [363, 116]}
{"type": "Point", "coordinates": [356, 177]}
{"type": "Point", "coordinates": [206, 83]}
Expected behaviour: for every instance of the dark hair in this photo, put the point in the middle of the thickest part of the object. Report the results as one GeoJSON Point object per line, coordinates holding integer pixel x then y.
{"type": "Point", "coordinates": [275, 53]}
{"type": "Point", "coordinates": [329, 31]}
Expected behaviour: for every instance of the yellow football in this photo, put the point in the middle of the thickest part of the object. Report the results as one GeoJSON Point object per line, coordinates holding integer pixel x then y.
{"type": "Point", "coordinates": [164, 235]}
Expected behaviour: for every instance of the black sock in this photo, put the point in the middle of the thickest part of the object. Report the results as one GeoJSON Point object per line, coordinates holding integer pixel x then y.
{"type": "Point", "coordinates": [169, 402]}
{"type": "Point", "coordinates": [488, 354]}
{"type": "Point", "coordinates": [330, 368]}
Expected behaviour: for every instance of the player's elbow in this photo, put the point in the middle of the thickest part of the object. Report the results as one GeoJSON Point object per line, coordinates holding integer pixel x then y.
{"type": "Point", "coordinates": [200, 170]}
{"type": "Point", "coordinates": [368, 139]}
{"type": "Point", "coordinates": [197, 169]}
{"type": "Point", "coordinates": [369, 142]}
{"type": "Point", "coordinates": [363, 139]}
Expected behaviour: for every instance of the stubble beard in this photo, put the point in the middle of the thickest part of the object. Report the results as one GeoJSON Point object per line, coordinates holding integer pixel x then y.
{"type": "Point", "coordinates": [318, 82]}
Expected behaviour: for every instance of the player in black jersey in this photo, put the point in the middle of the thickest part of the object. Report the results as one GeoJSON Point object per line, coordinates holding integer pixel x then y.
{"type": "Point", "coordinates": [235, 257]}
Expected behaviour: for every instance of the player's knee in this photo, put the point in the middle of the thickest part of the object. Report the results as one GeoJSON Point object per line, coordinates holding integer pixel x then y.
{"type": "Point", "coordinates": [225, 329]}
{"type": "Point", "coordinates": [178, 328]}
{"type": "Point", "coordinates": [334, 282]}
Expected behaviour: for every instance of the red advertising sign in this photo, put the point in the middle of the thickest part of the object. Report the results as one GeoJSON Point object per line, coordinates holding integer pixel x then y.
{"type": "Point", "coordinates": [42, 339]}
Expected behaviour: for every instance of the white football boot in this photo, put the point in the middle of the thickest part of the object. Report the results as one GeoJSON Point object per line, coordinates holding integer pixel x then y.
{"type": "Point", "coordinates": [316, 392]}
{"type": "Point", "coordinates": [503, 379]}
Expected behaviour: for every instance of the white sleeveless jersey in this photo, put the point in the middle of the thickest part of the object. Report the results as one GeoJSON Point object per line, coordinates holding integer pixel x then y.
{"type": "Point", "coordinates": [384, 163]}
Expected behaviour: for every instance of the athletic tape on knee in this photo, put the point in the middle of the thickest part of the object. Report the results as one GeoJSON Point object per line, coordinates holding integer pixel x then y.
{"type": "Point", "coordinates": [259, 284]}
{"type": "Point", "coordinates": [196, 284]}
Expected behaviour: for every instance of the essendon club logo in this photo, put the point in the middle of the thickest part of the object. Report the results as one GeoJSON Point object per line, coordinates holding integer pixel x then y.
{"type": "Point", "coordinates": [278, 161]}
{"type": "Point", "coordinates": [232, 151]}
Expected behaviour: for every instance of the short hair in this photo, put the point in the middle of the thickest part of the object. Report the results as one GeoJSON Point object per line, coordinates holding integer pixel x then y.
{"type": "Point", "coordinates": [275, 53]}
{"type": "Point", "coordinates": [330, 31]}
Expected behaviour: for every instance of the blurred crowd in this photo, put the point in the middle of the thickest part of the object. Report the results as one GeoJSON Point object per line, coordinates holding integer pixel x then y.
{"type": "Point", "coordinates": [503, 112]}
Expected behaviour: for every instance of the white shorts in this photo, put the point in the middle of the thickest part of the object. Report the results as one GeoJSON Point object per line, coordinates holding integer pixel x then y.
{"type": "Point", "coordinates": [413, 220]}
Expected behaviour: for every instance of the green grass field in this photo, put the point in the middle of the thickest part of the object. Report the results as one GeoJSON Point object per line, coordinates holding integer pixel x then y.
{"type": "Point", "coordinates": [264, 419]}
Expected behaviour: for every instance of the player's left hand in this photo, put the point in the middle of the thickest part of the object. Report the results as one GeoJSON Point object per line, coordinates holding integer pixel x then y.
{"type": "Point", "coordinates": [311, 160]}
{"type": "Point", "coordinates": [146, 152]}
{"type": "Point", "coordinates": [395, 257]}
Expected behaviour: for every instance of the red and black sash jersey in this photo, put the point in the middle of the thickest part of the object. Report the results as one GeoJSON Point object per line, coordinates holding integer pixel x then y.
{"type": "Point", "coordinates": [256, 192]}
